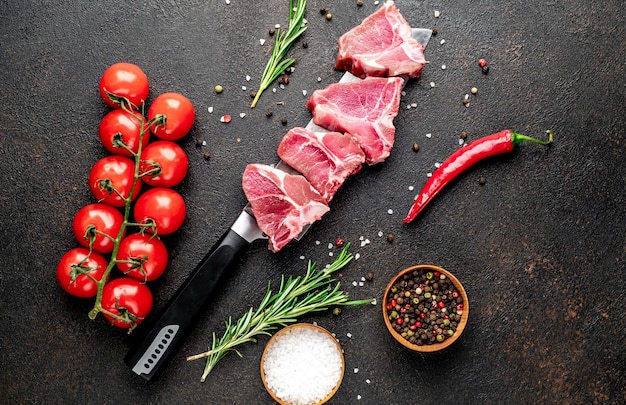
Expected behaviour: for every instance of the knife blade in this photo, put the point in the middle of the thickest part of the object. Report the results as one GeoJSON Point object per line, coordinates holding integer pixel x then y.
{"type": "Point", "coordinates": [162, 337]}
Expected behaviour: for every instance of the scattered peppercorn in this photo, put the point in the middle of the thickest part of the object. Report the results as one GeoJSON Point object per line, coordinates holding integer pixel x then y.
{"type": "Point", "coordinates": [305, 44]}
{"type": "Point", "coordinates": [463, 135]}
{"type": "Point", "coordinates": [206, 156]}
{"type": "Point", "coordinates": [359, 3]}
{"type": "Point", "coordinates": [369, 276]}
{"type": "Point", "coordinates": [272, 31]}
{"type": "Point", "coordinates": [268, 113]}
{"type": "Point", "coordinates": [482, 181]}
{"type": "Point", "coordinates": [390, 238]}
{"type": "Point", "coordinates": [416, 147]}
{"type": "Point", "coordinates": [199, 142]}
{"type": "Point", "coordinates": [218, 89]}
{"type": "Point", "coordinates": [485, 69]}
{"type": "Point", "coordinates": [434, 32]}
{"type": "Point", "coordinates": [323, 11]}
{"type": "Point", "coordinates": [424, 307]}
{"type": "Point", "coordinates": [283, 121]}
{"type": "Point", "coordinates": [252, 94]}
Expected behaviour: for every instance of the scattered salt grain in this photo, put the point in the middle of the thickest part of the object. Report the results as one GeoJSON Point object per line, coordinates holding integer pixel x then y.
{"type": "Point", "coordinates": [357, 256]}
{"type": "Point", "coordinates": [380, 234]}
{"type": "Point", "coordinates": [358, 397]}
{"type": "Point", "coordinates": [244, 88]}
{"type": "Point", "coordinates": [443, 41]}
{"type": "Point", "coordinates": [429, 135]}
{"type": "Point", "coordinates": [319, 79]}
{"type": "Point", "coordinates": [262, 41]}
{"type": "Point", "coordinates": [390, 211]}
{"type": "Point", "coordinates": [414, 105]}
{"type": "Point", "coordinates": [461, 141]}
{"type": "Point", "coordinates": [411, 188]}
{"type": "Point", "coordinates": [210, 110]}
{"type": "Point", "coordinates": [368, 381]}
{"type": "Point", "coordinates": [331, 254]}
{"type": "Point", "coordinates": [317, 242]}
{"type": "Point", "coordinates": [273, 89]}
{"type": "Point", "coordinates": [248, 78]}
{"type": "Point", "coordinates": [227, 1]}
{"type": "Point", "coordinates": [302, 365]}
{"type": "Point", "coordinates": [437, 13]}
{"type": "Point", "coordinates": [349, 335]}
{"type": "Point", "coordinates": [429, 174]}
{"type": "Point", "coordinates": [362, 278]}
{"type": "Point", "coordinates": [242, 115]}
{"type": "Point", "coordinates": [354, 283]}
{"type": "Point", "coordinates": [277, 26]}
{"type": "Point", "coordinates": [443, 67]}
{"type": "Point", "coordinates": [374, 302]}
{"type": "Point", "coordinates": [356, 370]}
{"type": "Point", "coordinates": [361, 284]}
{"type": "Point", "coordinates": [330, 245]}
{"type": "Point", "coordinates": [432, 84]}
{"type": "Point", "coordinates": [304, 92]}
{"type": "Point", "coordinates": [301, 257]}
{"type": "Point", "coordinates": [437, 165]}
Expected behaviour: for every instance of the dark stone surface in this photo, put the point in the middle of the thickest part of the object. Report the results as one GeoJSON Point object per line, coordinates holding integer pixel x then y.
{"type": "Point", "coordinates": [540, 248]}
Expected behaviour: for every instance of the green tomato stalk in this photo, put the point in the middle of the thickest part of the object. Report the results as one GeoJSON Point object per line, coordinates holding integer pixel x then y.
{"type": "Point", "coordinates": [296, 296]}
{"type": "Point", "coordinates": [124, 315]}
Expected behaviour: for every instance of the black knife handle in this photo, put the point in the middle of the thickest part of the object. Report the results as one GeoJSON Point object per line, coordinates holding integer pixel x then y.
{"type": "Point", "coordinates": [165, 335]}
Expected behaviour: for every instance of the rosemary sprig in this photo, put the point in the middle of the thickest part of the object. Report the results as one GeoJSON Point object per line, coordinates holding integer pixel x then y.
{"type": "Point", "coordinates": [278, 61]}
{"type": "Point", "coordinates": [296, 296]}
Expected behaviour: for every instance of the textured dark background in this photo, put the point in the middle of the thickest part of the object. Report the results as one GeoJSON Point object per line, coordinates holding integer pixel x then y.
{"type": "Point", "coordinates": [540, 248]}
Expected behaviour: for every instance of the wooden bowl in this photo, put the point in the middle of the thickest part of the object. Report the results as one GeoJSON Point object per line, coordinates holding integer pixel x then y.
{"type": "Point", "coordinates": [295, 328]}
{"type": "Point", "coordinates": [436, 346]}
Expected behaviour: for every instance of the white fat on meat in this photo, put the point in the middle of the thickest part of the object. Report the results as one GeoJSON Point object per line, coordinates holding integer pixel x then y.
{"type": "Point", "coordinates": [326, 159]}
{"type": "Point", "coordinates": [282, 203]}
{"type": "Point", "coordinates": [364, 109]}
{"type": "Point", "coordinates": [382, 45]}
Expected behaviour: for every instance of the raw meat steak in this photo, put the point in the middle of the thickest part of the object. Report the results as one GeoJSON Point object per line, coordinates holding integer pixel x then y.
{"type": "Point", "coordinates": [365, 109]}
{"type": "Point", "coordinates": [282, 203]}
{"type": "Point", "coordinates": [381, 46]}
{"type": "Point", "coordinates": [326, 159]}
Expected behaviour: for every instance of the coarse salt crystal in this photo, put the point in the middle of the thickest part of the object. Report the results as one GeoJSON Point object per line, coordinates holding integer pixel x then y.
{"type": "Point", "coordinates": [361, 284]}
{"type": "Point", "coordinates": [414, 105]}
{"type": "Point", "coordinates": [429, 135]}
{"type": "Point", "coordinates": [380, 233]}
{"type": "Point", "coordinates": [357, 256]}
{"type": "Point", "coordinates": [262, 41]}
{"type": "Point", "coordinates": [432, 84]}
{"type": "Point", "coordinates": [317, 242]}
{"type": "Point", "coordinates": [429, 174]}
{"type": "Point", "coordinates": [356, 370]}
{"type": "Point", "coordinates": [304, 92]}
{"type": "Point", "coordinates": [277, 26]}
{"type": "Point", "coordinates": [242, 115]}
{"type": "Point", "coordinates": [437, 13]}
{"type": "Point", "coordinates": [302, 365]}
{"type": "Point", "coordinates": [374, 302]}
{"type": "Point", "coordinates": [349, 335]}
{"type": "Point", "coordinates": [227, 1]}
{"type": "Point", "coordinates": [301, 257]}
{"type": "Point", "coordinates": [354, 283]}
{"type": "Point", "coordinates": [362, 278]}
{"type": "Point", "coordinates": [330, 245]}
{"type": "Point", "coordinates": [437, 165]}
{"type": "Point", "coordinates": [248, 78]}
{"type": "Point", "coordinates": [443, 67]}
{"type": "Point", "coordinates": [411, 188]}
{"type": "Point", "coordinates": [319, 79]}
{"type": "Point", "coordinates": [331, 254]}
{"type": "Point", "coordinates": [461, 141]}
{"type": "Point", "coordinates": [389, 211]}
{"type": "Point", "coordinates": [210, 110]}
{"type": "Point", "coordinates": [443, 41]}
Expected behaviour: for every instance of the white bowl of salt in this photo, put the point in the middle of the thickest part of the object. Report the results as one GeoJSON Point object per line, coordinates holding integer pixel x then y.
{"type": "Point", "coordinates": [302, 364]}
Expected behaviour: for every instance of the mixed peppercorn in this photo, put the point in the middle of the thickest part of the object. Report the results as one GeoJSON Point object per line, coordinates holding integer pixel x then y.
{"type": "Point", "coordinates": [424, 307]}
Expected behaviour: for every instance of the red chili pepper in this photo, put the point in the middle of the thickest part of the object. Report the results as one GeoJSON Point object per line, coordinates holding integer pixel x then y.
{"type": "Point", "coordinates": [491, 145]}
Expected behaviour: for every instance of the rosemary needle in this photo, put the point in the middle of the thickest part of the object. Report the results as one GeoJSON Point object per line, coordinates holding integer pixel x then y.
{"type": "Point", "coordinates": [295, 297]}
{"type": "Point", "coordinates": [278, 61]}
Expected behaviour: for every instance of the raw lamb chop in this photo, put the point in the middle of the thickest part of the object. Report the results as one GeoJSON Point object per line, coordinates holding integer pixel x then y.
{"type": "Point", "coordinates": [382, 45]}
{"type": "Point", "coordinates": [282, 203]}
{"type": "Point", "coordinates": [326, 159]}
{"type": "Point", "coordinates": [365, 109]}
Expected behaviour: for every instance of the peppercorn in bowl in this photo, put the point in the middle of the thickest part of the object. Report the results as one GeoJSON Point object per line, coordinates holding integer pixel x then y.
{"type": "Point", "coordinates": [425, 308]}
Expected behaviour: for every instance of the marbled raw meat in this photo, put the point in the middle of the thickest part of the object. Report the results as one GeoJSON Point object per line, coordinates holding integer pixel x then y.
{"type": "Point", "coordinates": [326, 159]}
{"type": "Point", "coordinates": [364, 109]}
{"type": "Point", "coordinates": [382, 45]}
{"type": "Point", "coordinates": [282, 203]}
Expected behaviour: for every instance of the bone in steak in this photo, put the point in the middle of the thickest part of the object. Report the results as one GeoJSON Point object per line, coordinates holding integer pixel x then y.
{"type": "Point", "coordinates": [326, 159]}
{"type": "Point", "coordinates": [282, 203]}
{"type": "Point", "coordinates": [381, 46]}
{"type": "Point", "coordinates": [364, 109]}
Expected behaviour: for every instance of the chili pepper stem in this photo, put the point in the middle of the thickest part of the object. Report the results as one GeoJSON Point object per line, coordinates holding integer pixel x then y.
{"type": "Point", "coordinates": [517, 138]}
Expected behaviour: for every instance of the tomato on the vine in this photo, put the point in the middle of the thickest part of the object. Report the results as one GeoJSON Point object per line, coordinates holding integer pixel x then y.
{"type": "Point", "coordinates": [125, 127]}
{"type": "Point", "coordinates": [127, 298]}
{"type": "Point", "coordinates": [97, 224]}
{"type": "Point", "coordinates": [111, 178]}
{"type": "Point", "coordinates": [124, 81]}
{"type": "Point", "coordinates": [164, 206]}
{"type": "Point", "coordinates": [165, 163]}
{"type": "Point", "coordinates": [177, 113]}
{"type": "Point", "coordinates": [142, 256]}
{"type": "Point", "coordinates": [77, 270]}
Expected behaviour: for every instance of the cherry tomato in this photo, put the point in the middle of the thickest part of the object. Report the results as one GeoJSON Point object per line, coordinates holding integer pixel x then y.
{"type": "Point", "coordinates": [124, 81]}
{"type": "Point", "coordinates": [121, 125]}
{"type": "Point", "coordinates": [70, 272]}
{"type": "Point", "coordinates": [148, 253]}
{"type": "Point", "coordinates": [93, 221]}
{"type": "Point", "coordinates": [178, 113]}
{"type": "Point", "coordinates": [113, 173]}
{"type": "Point", "coordinates": [169, 162]}
{"type": "Point", "coordinates": [128, 298]}
{"type": "Point", "coordinates": [164, 206]}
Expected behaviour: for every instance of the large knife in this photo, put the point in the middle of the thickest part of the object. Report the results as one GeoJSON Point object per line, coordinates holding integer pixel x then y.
{"type": "Point", "coordinates": [168, 330]}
